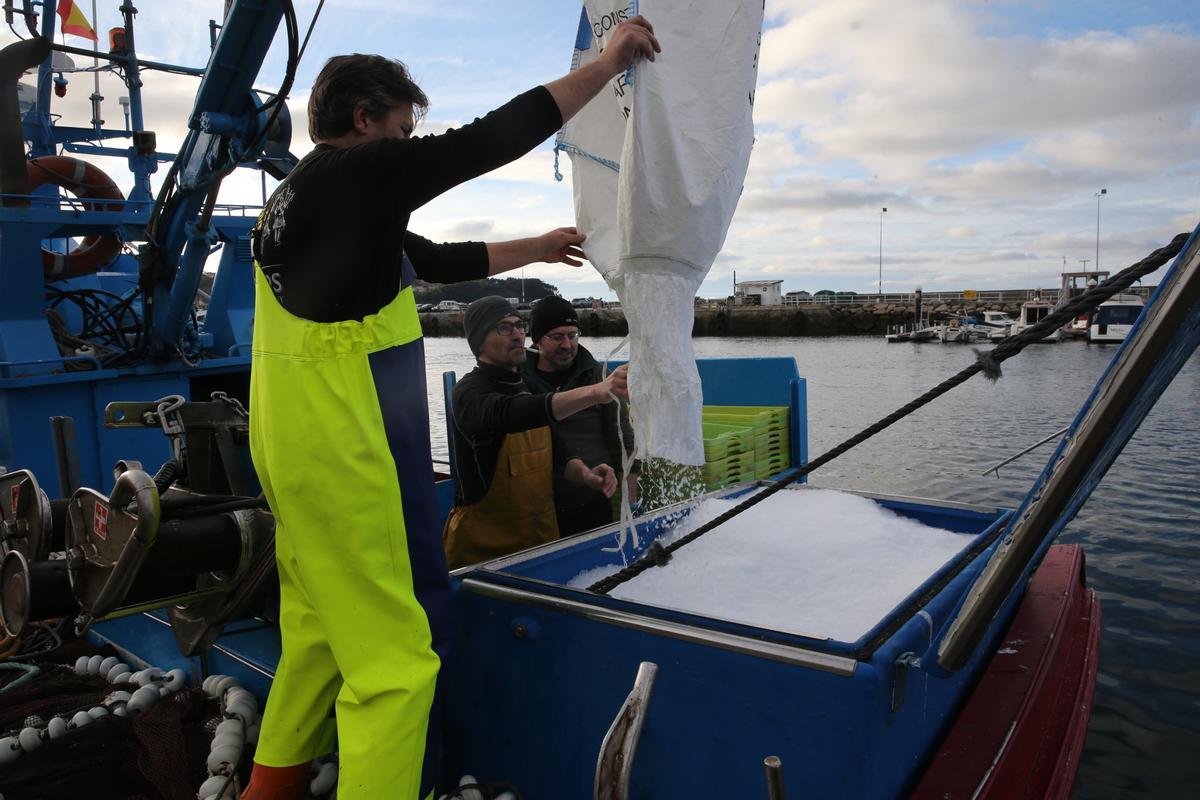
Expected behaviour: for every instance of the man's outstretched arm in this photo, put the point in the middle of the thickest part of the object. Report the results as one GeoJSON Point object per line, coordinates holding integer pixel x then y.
{"type": "Point", "coordinates": [633, 37]}
{"type": "Point", "coordinates": [559, 246]}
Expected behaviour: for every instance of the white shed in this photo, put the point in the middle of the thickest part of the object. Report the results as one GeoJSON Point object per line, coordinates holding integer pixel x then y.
{"type": "Point", "coordinates": [759, 293]}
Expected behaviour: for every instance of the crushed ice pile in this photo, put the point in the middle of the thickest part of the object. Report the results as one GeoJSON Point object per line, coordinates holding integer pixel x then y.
{"type": "Point", "coordinates": [807, 561]}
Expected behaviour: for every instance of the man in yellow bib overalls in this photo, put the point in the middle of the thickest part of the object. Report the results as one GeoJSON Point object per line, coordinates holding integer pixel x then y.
{"type": "Point", "coordinates": [339, 423]}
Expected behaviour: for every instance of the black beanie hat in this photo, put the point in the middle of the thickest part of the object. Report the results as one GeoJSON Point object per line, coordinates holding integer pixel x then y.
{"type": "Point", "coordinates": [550, 313]}
{"type": "Point", "coordinates": [482, 315]}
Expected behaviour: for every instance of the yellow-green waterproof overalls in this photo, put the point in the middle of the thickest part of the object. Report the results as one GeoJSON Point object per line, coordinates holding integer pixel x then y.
{"type": "Point", "coordinates": [339, 432]}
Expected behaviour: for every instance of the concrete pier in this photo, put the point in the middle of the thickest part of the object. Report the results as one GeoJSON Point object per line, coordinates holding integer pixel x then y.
{"type": "Point", "coordinates": [806, 320]}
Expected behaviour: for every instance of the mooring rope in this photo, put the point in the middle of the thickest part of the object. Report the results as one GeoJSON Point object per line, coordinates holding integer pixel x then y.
{"type": "Point", "coordinates": [986, 362]}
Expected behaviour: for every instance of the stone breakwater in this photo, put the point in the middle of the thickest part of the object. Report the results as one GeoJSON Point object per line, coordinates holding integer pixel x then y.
{"type": "Point", "coordinates": [807, 320]}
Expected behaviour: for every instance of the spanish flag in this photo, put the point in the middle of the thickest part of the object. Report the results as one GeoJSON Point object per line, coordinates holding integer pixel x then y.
{"type": "Point", "coordinates": [73, 20]}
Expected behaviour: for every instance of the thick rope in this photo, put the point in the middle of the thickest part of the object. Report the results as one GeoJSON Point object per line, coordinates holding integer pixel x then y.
{"type": "Point", "coordinates": [628, 456]}
{"type": "Point", "coordinates": [986, 362]}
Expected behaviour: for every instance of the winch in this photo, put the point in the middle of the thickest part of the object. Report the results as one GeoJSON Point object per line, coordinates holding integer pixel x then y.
{"type": "Point", "coordinates": [147, 544]}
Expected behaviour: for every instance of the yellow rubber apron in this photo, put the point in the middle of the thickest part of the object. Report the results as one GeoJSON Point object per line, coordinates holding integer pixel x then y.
{"type": "Point", "coordinates": [516, 513]}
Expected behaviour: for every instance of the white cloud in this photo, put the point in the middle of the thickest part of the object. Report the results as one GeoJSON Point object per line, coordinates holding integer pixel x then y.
{"type": "Point", "coordinates": [987, 145]}
{"type": "Point", "coordinates": [987, 142]}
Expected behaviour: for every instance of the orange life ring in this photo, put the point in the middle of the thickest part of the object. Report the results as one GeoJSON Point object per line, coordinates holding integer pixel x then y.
{"type": "Point", "coordinates": [87, 182]}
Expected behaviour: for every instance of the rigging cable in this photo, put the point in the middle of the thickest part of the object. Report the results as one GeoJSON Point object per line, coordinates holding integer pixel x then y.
{"type": "Point", "coordinates": [311, 25]}
{"type": "Point", "coordinates": [986, 362]}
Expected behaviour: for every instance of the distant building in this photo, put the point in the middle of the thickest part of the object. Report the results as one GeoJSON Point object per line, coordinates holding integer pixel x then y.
{"type": "Point", "coordinates": [759, 293]}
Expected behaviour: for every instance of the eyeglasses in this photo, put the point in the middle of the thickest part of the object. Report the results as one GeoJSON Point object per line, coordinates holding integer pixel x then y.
{"type": "Point", "coordinates": [559, 338]}
{"type": "Point", "coordinates": [506, 328]}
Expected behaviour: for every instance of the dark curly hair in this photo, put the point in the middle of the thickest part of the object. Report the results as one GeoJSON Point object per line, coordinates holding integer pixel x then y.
{"type": "Point", "coordinates": [378, 84]}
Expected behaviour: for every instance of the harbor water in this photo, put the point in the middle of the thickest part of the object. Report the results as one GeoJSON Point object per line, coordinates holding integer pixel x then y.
{"type": "Point", "coordinates": [1140, 529]}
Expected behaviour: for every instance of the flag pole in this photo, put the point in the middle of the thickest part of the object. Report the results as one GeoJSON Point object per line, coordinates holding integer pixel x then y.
{"type": "Point", "coordinates": [96, 98]}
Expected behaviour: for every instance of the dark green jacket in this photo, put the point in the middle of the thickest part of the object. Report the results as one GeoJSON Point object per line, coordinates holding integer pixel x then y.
{"type": "Point", "coordinates": [590, 435]}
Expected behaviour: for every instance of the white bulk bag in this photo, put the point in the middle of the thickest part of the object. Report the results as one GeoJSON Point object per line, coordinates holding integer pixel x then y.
{"type": "Point", "coordinates": [658, 161]}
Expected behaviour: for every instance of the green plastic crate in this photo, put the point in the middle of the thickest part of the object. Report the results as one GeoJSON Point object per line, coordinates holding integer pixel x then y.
{"type": "Point", "coordinates": [721, 441]}
{"type": "Point", "coordinates": [763, 419]}
{"type": "Point", "coordinates": [725, 468]}
{"type": "Point", "coordinates": [767, 415]}
{"type": "Point", "coordinates": [771, 465]}
{"type": "Point", "coordinates": [732, 480]}
{"type": "Point", "coordinates": [771, 440]}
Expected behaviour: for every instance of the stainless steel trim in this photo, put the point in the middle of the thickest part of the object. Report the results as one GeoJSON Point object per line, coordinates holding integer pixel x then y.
{"type": "Point", "coordinates": [243, 661]}
{"type": "Point", "coordinates": [788, 654]}
{"type": "Point", "coordinates": [221, 649]}
{"type": "Point", "coordinates": [614, 764]}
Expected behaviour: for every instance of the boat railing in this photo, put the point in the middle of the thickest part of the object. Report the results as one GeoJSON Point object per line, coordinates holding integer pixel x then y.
{"type": "Point", "coordinates": [72, 204]}
{"type": "Point", "coordinates": [938, 298]}
{"type": "Point", "coordinates": [238, 209]}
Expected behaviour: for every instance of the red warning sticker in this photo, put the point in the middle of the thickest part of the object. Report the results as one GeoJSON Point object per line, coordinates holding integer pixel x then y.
{"type": "Point", "coordinates": [100, 521]}
{"type": "Point", "coordinates": [15, 496]}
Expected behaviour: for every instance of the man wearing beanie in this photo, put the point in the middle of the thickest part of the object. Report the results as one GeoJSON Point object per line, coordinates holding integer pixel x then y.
{"type": "Point", "coordinates": [503, 452]}
{"type": "Point", "coordinates": [559, 362]}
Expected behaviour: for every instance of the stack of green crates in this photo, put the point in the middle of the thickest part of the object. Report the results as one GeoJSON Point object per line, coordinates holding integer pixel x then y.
{"type": "Point", "coordinates": [744, 443]}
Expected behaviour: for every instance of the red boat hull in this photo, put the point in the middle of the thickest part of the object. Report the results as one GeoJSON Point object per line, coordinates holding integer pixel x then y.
{"type": "Point", "coordinates": [1023, 730]}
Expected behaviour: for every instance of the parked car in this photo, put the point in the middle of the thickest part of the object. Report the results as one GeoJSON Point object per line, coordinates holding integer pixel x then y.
{"type": "Point", "coordinates": [448, 305]}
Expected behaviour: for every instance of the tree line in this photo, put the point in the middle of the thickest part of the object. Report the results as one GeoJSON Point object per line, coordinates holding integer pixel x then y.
{"type": "Point", "coordinates": [473, 290]}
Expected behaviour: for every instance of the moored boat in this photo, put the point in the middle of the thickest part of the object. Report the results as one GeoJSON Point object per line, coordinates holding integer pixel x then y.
{"type": "Point", "coordinates": [1033, 312]}
{"type": "Point", "coordinates": [555, 659]}
{"type": "Point", "coordinates": [871, 707]}
{"type": "Point", "coordinates": [925, 334]}
{"type": "Point", "coordinates": [1114, 319]}
{"type": "Point", "coordinates": [1074, 284]}
{"type": "Point", "coordinates": [964, 330]}
{"type": "Point", "coordinates": [998, 323]}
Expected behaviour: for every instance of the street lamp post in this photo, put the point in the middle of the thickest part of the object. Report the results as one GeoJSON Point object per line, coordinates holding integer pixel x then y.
{"type": "Point", "coordinates": [1099, 194]}
{"type": "Point", "coordinates": [881, 213]}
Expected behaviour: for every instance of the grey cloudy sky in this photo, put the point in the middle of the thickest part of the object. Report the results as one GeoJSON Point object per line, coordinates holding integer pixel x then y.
{"type": "Point", "coordinates": [985, 128]}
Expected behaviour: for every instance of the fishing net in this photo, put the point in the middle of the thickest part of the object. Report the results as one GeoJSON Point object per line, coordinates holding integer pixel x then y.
{"type": "Point", "coordinates": [156, 754]}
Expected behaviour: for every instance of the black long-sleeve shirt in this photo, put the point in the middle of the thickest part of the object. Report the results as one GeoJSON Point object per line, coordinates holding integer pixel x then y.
{"type": "Point", "coordinates": [335, 232]}
{"type": "Point", "coordinates": [488, 404]}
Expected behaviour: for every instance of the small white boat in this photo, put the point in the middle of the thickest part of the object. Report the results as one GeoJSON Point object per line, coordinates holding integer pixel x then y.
{"type": "Point", "coordinates": [929, 334]}
{"type": "Point", "coordinates": [1033, 312]}
{"type": "Point", "coordinates": [963, 331]}
{"type": "Point", "coordinates": [998, 324]}
{"type": "Point", "coordinates": [1115, 318]}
